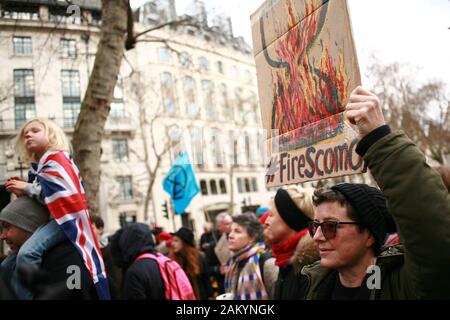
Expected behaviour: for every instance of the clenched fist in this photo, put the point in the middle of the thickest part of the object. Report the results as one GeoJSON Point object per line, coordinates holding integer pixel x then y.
{"type": "Point", "coordinates": [364, 111]}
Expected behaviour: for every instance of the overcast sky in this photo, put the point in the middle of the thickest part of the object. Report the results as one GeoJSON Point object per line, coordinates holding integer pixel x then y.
{"type": "Point", "coordinates": [412, 31]}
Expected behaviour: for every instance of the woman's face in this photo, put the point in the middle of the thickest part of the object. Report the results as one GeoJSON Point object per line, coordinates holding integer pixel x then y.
{"type": "Point", "coordinates": [238, 238]}
{"type": "Point", "coordinates": [276, 230]}
{"type": "Point", "coordinates": [177, 244]}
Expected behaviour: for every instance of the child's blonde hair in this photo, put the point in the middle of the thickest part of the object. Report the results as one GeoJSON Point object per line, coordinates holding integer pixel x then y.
{"type": "Point", "coordinates": [57, 139]}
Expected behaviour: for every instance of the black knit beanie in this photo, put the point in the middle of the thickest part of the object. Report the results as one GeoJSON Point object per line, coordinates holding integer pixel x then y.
{"type": "Point", "coordinates": [369, 204]}
{"type": "Point", "coordinates": [292, 215]}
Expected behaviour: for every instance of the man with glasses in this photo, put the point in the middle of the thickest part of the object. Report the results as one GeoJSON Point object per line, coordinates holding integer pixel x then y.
{"type": "Point", "coordinates": [351, 221]}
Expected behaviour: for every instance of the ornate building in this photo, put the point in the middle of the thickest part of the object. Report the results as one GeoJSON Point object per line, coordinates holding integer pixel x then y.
{"type": "Point", "coordinates": [190, 85]}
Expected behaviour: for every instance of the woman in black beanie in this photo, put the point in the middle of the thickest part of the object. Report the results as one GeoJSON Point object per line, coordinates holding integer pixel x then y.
{"type": "Point", "coordinates": [290, 212]}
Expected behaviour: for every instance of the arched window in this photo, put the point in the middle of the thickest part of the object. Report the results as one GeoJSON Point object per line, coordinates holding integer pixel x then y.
{"type": "Point", "coordinates": [208, 99]}
{"type": "Point", "coordinates": [192, 108]}
{"type": "Point", "coordinates": [168, 92]}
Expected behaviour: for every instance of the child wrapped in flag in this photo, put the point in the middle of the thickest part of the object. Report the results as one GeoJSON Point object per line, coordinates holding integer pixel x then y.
{"type": "Point", "coordinates": [55, 181]}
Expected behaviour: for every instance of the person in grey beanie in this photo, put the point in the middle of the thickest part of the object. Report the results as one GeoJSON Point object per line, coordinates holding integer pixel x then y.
{"type": "Point", "coordinates": [18, 220]}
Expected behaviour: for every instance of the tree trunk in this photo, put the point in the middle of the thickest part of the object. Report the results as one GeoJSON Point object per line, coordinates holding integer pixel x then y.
{"type": "Point", "coordinates": [94, 111]}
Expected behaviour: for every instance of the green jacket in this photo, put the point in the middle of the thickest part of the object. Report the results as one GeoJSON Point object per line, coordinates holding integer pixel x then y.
{"type": "Point", "coordinates": [420, 204]}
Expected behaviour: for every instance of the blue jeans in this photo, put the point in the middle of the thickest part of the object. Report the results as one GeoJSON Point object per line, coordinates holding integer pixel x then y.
{"type": "Point", "coordinates": [44, 238]}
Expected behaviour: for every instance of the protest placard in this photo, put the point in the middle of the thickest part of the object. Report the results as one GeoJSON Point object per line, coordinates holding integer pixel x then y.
{"type": "Point", "coordinates": [307, 66]}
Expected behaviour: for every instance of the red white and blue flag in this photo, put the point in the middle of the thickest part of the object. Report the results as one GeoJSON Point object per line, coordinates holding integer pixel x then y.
{"type": "Point", "coordinates": [65, 198]}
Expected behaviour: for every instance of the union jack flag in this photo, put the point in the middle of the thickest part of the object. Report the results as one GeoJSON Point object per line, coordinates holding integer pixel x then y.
{"type": "Point", "coordinates": [65, 198]}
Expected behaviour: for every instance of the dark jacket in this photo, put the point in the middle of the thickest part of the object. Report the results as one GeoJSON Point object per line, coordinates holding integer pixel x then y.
{"type": "Point", "coordinates": [206, 238]}
{"type": "Point", "coordinates": [142, 279]}
{"type": "Point", "coordinates": [420, 205]}
{"type": "Point", "coordinates": [55, 266]}
{"type": "Point", "coordinates": [289, 284]}
{"type": "Point", "coordinates": [214, 263]}
{"type": "Point", "coordinates": [114, 274]}
{"type": "Point", "coordinates": [201, 282]}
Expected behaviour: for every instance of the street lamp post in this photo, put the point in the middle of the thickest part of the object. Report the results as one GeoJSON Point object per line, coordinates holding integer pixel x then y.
{"type": "Point", "coordinates": [21, 167]}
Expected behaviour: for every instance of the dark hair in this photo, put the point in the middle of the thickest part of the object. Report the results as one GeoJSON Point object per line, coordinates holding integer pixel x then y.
{"type": "Point", "coordinates": [251, 223]}
{"type": "Point", "coordinates": [329, 195]}
{"type": "Point", "coordinates": [98, 221]}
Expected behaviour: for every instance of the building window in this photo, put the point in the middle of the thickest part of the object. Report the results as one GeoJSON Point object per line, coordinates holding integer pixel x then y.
{"type": "Point", "coordinates": [252, 100]}
{"type": "Point", "coordinates": [70, 83]}
{"type": "Point", "coordinates": [120, 150]}
{"type": "Point", "coordinates": [117, 110]}
{"type": "Point", "coordinates": [227, 112]}
{"type": "Point", "coordinates": [248, 77]}
{"type": "Point", "coordinates": [192, 108]}
{"type": "Point", "coordinates": [68, 48]}
{"type": "Point", "coordinates": [71, 110]}
{"type": "Point", "coordinates": [175, 134]}
{"type": "Point", "coordinates": [216, 147]}
{"type": "Point", "coordinates": [185, 59]}
{"type": "Point", "coordinates": [239, 185]}
{"type": "Point", "coordinates": [239, 103]}
{"type": "Point", "coordinates": [247, 184]}
{"type": "Point", "coordinates": [219, 65]}
{"type": "Point", "coordinates": [223, 186]}
{"type": "Point", "coordinates": [117, 107]}
{"type": "Point", "coordinates": [118, 90]}
{"type": "Point", "coordinates": [204, 187]}
{"type": "Point", "coordinates": [126, 218]}
{"type": "Point", "coordinates": [213, 185]}
{"type": "Point", "coordinates": [234, 73]}
{"type": "Point", "coordinates": [164, 55]}
{"type": "Point", "coordinates": [70, 80]}
{"type": "Point", "coordinates": [203, 64]}
{"type": "Point", "coordinates": [254, 185]}
{"type": "Point", "coordinates": [233, 148]}
{"type": "Point", "coordinates": [208, 99]}
{"type": "Point", "coordinates": [125, 187]}
{"type": "Point", "coordinates": [247, 153]}
{"type": "Point", "coordinates": [24, 104]}
{"type": "Point", "coordinates": [22, 46]}
{"type": "Point", "coordinates": [168, 92]}
{"type": "Point", "coordinates": [197, 145]}
{"type": "Point", "coordinates": [24, 112]}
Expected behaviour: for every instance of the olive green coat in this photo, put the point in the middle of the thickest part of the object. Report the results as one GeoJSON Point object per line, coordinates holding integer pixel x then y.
{"type": "Point", "coordinates": [420, 204]}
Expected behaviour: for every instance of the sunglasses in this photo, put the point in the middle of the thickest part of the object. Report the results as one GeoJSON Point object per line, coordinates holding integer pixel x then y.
{"type": "Point", "coordinates": [329, 228]}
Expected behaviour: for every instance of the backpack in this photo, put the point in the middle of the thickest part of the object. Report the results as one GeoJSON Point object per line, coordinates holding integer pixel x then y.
{"type": "Point", "coordinates": [176, 283]}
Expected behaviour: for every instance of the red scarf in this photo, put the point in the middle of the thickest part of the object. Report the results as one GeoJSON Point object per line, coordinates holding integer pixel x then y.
{"type": "Point", "coordinates": [284, 250]}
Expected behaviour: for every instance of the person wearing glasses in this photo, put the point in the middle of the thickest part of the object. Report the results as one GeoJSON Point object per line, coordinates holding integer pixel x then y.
{"type": "Point", "coordinates": [287, 230]}
{"type": "Point", "coordinates": [351, 221]}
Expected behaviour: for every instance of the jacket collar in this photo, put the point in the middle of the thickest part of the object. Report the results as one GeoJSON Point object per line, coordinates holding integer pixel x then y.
{"type": "Point", "coordinates": [320, 280]}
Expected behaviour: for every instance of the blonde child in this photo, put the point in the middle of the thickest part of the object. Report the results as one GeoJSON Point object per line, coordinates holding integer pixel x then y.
{"type": "Point", "coordinates": [55, 180]}
{"type": "Point", "coordinates": [35, 139]}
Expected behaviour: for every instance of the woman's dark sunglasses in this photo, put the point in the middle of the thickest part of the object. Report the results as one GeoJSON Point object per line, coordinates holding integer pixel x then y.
{"type": "Point", "coordinates": [329, 228]}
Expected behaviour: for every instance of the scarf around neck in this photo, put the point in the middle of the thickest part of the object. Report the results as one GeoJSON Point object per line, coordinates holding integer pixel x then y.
{"type": "Point", "coordinates": [283, 251]}
{"type": "Point", "coordinates": [246, 282]}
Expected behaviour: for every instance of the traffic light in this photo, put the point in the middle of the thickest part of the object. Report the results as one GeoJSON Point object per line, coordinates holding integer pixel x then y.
{"type": "Point", "coordinates": [165, 210]}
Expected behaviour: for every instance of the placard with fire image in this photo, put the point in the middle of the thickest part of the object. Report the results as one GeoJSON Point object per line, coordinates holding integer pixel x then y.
{"type": "Point", "coordinates": [307, 66]}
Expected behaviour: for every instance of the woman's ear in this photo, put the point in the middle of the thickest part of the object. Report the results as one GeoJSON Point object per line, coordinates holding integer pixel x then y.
{"type": "Point", "coordinates": [370, 239]}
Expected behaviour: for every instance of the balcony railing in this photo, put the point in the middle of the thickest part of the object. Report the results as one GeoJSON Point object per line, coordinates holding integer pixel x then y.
{"type": "Point", "coordinates": [123, 123]}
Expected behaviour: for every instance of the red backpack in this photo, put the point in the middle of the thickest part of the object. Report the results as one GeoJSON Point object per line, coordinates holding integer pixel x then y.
{"type": "Point", "coordinates": [176, 283]}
